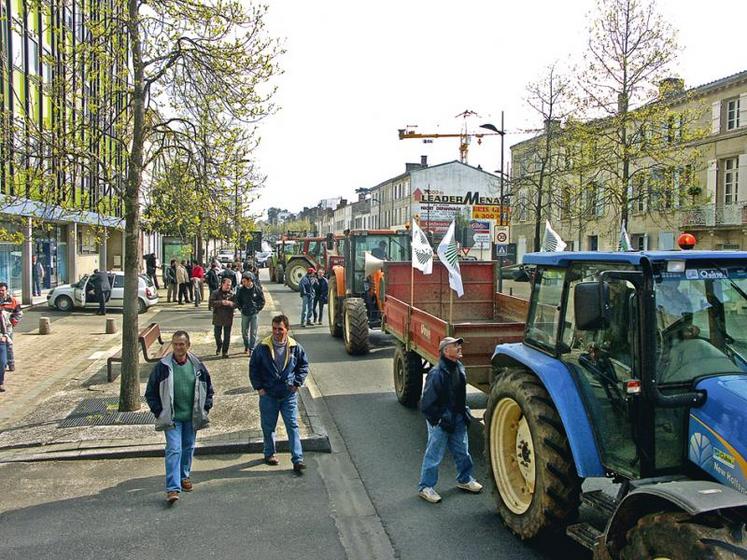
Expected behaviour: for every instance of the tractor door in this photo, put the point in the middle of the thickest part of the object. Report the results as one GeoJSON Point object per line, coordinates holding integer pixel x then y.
{"type": "Point", "coordinates": [601, 357]}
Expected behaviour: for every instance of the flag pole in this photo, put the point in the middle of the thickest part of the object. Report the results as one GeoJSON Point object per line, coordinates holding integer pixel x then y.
{"type": "Point", "coordinates": [451, 307]}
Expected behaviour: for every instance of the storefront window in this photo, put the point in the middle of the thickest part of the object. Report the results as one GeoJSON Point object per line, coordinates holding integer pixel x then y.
{"type": "Point", "coordinates": [11, 266]}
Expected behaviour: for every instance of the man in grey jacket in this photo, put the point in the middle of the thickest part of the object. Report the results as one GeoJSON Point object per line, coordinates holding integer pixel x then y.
{"type": "Point", "coordinates": [180, 395]}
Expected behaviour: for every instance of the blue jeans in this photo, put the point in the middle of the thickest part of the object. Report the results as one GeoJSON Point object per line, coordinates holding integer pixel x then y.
{"type": "Point", "coordinates": [180, 446]}
{"type": "Point", "coordinates": [307, 303]}
{"type": "Point", "coordinates": [269, 407]}
{"type": "Point", "coordinates": [37, 286]}
{"type": "Point", "coordinates": [249, 330]}
{"type": "Point", "coordinates": [3, 360]}
{"type": "Point", "coordinates": [438, 441]}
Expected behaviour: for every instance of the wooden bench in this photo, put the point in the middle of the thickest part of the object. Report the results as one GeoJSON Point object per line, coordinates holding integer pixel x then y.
{"type": "Point", "coordinates": [146, 337]}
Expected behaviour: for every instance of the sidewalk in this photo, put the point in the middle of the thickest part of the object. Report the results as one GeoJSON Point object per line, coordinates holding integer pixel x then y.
{"type": "Point", "coordinates": [60, 406]}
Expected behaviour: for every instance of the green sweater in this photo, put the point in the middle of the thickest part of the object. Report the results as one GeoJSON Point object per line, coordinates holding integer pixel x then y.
{"type": "Point", "coordinates": [184, 391]}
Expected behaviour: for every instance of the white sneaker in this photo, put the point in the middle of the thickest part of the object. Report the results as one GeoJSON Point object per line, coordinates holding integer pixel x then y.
{"type": "Point", "coordinates": [471, 486]}
{"type": "Point", "coordinates": [429, 495]}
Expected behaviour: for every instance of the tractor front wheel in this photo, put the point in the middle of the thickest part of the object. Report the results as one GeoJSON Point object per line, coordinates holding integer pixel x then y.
{"type": "Point", "coordinates": [334, 309]}
{"type": "Point", "coordinates": [527, 450]}
{"type": "Point", "coordinates": [408, 376]}
{"type": "Point", "coordinates": [678, 535]}
{"type": "Point", "coordinates": [296, 271]}
{"type": "Point", "coordinates": [355, 326]}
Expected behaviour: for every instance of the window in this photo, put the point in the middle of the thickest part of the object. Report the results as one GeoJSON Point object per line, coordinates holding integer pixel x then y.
{"type": "Point", "coordinates": [118, 281]}
{"type": "Point", "coordinates": [33, 50]}
{"type": "Point", "coordinates": [17, 46]}
{"type": "Point", "coordinates": [592, 241]}
{"type": "Point", "coordinates": [544, 312]}
{"type": "Point", "coordinates": [731, 181]}
{"type": "Point", "coordinates": [732, 114]}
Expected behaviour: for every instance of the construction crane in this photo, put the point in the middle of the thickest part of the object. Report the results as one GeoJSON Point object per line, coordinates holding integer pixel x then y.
{"type": "Point", "coordinates": [464, 136]}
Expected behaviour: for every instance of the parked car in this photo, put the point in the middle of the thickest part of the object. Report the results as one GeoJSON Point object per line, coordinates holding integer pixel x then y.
{"type": "Point", "coordinates": [261, 258]}
{"type": "Point", "coordinates": [80, 294]}
{"type": "Point", "coordinates": [224, 256]}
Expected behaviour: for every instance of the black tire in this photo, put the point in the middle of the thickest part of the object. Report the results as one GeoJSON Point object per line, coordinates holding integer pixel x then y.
{"type": "Point", "coordinates": [64, 303]}
{"type": "Point", "coordinates": [141, 306]}
{"type": "Point", "coordinates": [521, 417]}
{"type": "Point", "coordinates": [677, 535]}
{"type": "Point", "coordinates": [334, 309]}
{"type": "Point", "coordinates": [279, 273]}
{"type": "Point", "coordinates": [408, 376]}
{"type": "Point", "coordinates": [355, 326]}
{"type": "Point", "coordinates": [296, 271]}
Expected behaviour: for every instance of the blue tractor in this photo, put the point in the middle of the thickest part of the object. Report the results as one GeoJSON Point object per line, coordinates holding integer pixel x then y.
{"type": "Point", "coordinates": [634, 368]}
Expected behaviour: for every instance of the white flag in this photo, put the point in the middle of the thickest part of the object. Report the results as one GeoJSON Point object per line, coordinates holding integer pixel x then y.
{"type": "Point", "coordinates": [552, 241]}
{"type": "Point", "coordinates": [625, 244]}
{"type": "Point", "coordinates": [449, 255]}
{"type": "Point", "coordinates": [422, 253]}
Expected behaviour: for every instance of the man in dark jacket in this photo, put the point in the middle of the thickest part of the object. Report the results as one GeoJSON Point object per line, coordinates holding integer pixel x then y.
{"type": "Point", "coordinates": [212, 277]}
{"type": "Point", "coordinates": [180, 395]}
{"type": "Point", "coordinates": [102, 288]}
{"type": "Point", "coordinates": [306, 291]}
{"type": "Point", "coordinates": [444, 405]}
{"type": "Point", "coordinates": [222, 302]}
{"type": "Point", "coordinates": [250, 299]}
{"type": "Point", "coordinates": [277, 369]}
{"type": "Point", "coordinates": [229, 273]}
{"type": "Point", "coordinates": [150, 268]}
{"type": "Point", "coordinates": [321, 287]}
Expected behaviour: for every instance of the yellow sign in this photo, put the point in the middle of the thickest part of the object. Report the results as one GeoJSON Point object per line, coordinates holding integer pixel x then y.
{"type": "Point", "coordinates": [484, 212]}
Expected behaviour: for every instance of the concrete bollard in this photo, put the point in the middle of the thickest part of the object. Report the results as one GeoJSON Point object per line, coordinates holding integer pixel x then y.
{"type": "Point", "coordinates": [111, 326]}
{"type": "Point", "coordinates": [44, 325]}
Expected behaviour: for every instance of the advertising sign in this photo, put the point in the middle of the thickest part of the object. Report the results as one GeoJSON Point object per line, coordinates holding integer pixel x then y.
{"type": "Point", "coordinates": [482, 212]}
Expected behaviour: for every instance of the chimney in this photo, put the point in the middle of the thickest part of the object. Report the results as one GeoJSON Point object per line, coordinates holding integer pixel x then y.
{"type": "Point", "coordinates": [671, 86]}
{"type": "Point", "coordinates": [423, 161]}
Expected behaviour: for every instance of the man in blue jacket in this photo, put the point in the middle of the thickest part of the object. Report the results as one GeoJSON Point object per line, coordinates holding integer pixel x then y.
{"type": "Point", "coordinates": [306, 291]}
{"type": "Point", "coordinates": [180, 395]}
{"type": "Point", "coordinates": [444, 405]}
{"type": "Point", "coordinates": [277, 369]}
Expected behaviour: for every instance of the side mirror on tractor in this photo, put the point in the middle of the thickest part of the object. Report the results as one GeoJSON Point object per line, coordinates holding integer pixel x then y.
{"type": "Point", "coordinates": [591, 306]}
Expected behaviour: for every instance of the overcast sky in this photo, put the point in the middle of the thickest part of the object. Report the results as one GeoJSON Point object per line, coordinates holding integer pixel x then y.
{"type": "Point", "coordinates": [355, 72]}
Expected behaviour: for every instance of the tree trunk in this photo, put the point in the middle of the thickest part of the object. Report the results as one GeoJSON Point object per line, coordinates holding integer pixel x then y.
{"type": "Point", "coordinates": [129, 392]}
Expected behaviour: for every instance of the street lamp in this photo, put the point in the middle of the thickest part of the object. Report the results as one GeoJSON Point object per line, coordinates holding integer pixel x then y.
{"type": "Point", "coordinates": [502, 132]}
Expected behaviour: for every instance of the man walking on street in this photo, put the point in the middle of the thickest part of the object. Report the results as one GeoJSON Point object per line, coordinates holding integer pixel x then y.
{"type": "Point", "coordinates": [102, 288]}
{"type": "Point", "coordinates": [306, 291]}
{"type": "Point", "coordinates": [277, 369]}
{"type": "Point", "coordinates": [37, 275]}
{"type": "Point", "coordinates": [12, 307]}
{"type": "Point", "coordinates": [250, 299]}
{"type": "Point", "coordinates": [230, 274]}
{"type": "Point", "coordinates": [222, 302]}
{"type": "Point", "coordinates": [198, 277]}
{"type": "Point", "coordinates": [182, 281]}
{"type": "Point", "coordinates": [180, 395]}
{"type": "Point", "coordinates": [169, 279]}
{"type": "Point", "coordinates": [321, 287]}
{"type": "Point", "coordinates": [6, 345]}
{"type": "Point", "coordinates": [150, 268]}
{"type": "Point", "coordinates": [444, 405]}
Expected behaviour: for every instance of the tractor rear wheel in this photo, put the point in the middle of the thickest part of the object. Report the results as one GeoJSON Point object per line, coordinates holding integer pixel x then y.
{"type": "Point", "coordinates": [296, 271]}
{"type": "Point", "coordinates": [678, 535]}
{"type": "Point", "coordinates": [355, 326]}
{"type": "Point", "coordinates": [527, 450]}
{"type": "Point", "coordinates": [408, 376]}
{"type": "Point", "coordinates": [334, 309]}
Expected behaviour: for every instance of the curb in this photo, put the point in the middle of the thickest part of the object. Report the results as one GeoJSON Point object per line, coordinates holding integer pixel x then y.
{"type": "Point", "coordinates": [318, 443]}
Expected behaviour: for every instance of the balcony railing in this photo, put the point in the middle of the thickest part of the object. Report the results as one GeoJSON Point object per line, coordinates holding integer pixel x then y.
{"type": "Point", "coordinates": [713, 215]}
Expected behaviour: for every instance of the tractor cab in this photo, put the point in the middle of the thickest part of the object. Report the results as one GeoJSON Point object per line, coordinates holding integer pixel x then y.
{"type": "Point", "coordinates": [366, 251]}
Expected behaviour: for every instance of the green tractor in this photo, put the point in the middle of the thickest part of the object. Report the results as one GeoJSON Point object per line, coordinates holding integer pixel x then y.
{"type": "Point", "coordinates": [356, 283]}
{"type": "Point", "coordinates": [313, 253]}
{"type": "Point", "coordinates": [284, 250]}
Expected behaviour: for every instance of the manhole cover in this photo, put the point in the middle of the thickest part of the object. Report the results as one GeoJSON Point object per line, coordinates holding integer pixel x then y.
{"type": "Point", "coordinates": [103, 412]}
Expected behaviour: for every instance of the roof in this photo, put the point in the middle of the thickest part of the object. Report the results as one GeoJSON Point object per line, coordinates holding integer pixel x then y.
{"type": "Point", "coordinates": [427, 168]}
{"type": "Point", "coordinates": [565, 258]}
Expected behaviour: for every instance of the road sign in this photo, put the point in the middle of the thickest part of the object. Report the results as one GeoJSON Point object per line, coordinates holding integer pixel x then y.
{"type": "Point", "coordinates": [481, 237]}
{"type": "Point", "coordinates": [507, 251]}
{"type": "Point", "coordinates": [500, 235]}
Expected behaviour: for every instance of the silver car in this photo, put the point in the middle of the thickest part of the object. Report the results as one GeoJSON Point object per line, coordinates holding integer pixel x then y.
{"type": "Point", "coordinates": [80, 294]}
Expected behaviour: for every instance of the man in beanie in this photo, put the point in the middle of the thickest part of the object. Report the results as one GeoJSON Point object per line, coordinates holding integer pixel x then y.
{"type": "Point", "coordinates": [444, 405]}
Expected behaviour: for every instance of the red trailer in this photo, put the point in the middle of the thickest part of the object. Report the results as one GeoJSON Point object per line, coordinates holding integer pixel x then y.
{"type": "Point", "coordinates": [482, 316]}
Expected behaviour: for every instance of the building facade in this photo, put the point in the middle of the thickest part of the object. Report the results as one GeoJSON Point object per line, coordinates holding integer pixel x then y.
{"type": "Point", "coordinates": [62, 155]}
{"type": "Point", "coordinates": [708, 198]}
